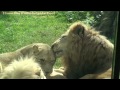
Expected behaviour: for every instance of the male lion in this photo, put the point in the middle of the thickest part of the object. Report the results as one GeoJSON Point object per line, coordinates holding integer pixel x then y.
{"type": "Point", "coordinates": [40, 51]}
{"type": "Point", "coordinates": [84, 51]}
{"type": "Point", "coordinates": [24, 68]}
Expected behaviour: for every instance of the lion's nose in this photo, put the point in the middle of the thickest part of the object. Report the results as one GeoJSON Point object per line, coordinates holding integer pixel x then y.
{"type": "Point", "coordinates": [53, 45]}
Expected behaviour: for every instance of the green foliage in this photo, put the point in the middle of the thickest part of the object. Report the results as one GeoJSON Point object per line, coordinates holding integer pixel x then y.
{"type": "Point", "coordinates": [72, 16]}
{"type": "Point", "coordinates": [58, 63]}
{"type": "Point", "coordinates": [97, 16]}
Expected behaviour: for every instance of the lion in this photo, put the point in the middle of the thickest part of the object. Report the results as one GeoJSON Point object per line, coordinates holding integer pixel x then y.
{"type": "Point", "coordinates": [83, 51]}
{"type": "Point", "coordinates": [24, 68]}
{"type": "Point", "coordinates": [42, 53]}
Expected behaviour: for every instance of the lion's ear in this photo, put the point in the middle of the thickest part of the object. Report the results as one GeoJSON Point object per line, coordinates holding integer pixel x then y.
{"type": "Point", "coordinates": [35, 49]}
{"type": "Point", "coordinates": [78, 29]}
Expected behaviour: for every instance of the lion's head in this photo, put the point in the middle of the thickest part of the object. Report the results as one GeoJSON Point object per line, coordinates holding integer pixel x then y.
{"type": "Point", "coordinates": [73, 35]}
{"type": "Point", "coordinates": [45, 57]}
{"type": "Point", "coordinates": [83, 51]}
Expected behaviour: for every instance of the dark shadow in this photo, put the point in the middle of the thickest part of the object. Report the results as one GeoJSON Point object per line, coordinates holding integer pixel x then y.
{"type": "Point", "coordinates": [116, 61]}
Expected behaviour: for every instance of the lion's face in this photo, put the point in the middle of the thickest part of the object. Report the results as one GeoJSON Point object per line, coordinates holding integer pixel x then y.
{"type": "Point", "coordinates": [60, 45]}
{"type": "Point", "coordinates": [45, 57]}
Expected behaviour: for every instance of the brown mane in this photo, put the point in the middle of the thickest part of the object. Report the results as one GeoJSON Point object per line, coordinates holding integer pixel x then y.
{"type": "Point", "coordinates": [90, 52]}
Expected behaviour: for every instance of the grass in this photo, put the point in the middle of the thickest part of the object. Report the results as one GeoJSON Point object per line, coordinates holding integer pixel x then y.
{"type": "Point", "coordinates": [18, 30]}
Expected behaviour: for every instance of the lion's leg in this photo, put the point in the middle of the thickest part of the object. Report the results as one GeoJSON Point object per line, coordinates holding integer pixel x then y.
{"type": "Point", "coordinates": [56, 75]}
{"type": "Point", "coordinates": [95, 76]}
{"type": "Point", "coordinates": [88, 76]}
{"type": "Point", "coordinates": [60, 70]}
{"type": "Point", "coordinates": [105, 75]}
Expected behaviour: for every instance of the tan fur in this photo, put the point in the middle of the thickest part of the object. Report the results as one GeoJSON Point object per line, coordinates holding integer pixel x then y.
{"type": "Point", "coordinates": [1, 67]}
{"type": "Point", "coordinates": [84, 51]}
{"type": "Point", "coordinates": [40, 51]}
{"type": "Point", "coordinates": [56, 75]}
{"type": "Point", "coordinates": [59, 70]}
{"type": "Point", "coordinates": [24, 68]}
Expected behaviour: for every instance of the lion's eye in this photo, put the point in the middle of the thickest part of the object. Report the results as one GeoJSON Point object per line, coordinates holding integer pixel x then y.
{"type": "Point", "coordinates": [42, 60]}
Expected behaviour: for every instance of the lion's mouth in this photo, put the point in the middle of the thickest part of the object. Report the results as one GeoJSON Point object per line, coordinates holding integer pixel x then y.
{"type": "Point", "coordinates": [59, 53]}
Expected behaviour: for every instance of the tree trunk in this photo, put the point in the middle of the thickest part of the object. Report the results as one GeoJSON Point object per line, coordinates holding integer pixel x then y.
{"type": "Point", "coordinates": [107, 23]}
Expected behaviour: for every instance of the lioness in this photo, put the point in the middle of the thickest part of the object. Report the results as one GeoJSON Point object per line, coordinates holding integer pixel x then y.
{"type": "Point", "coordinates": [40, 51]}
